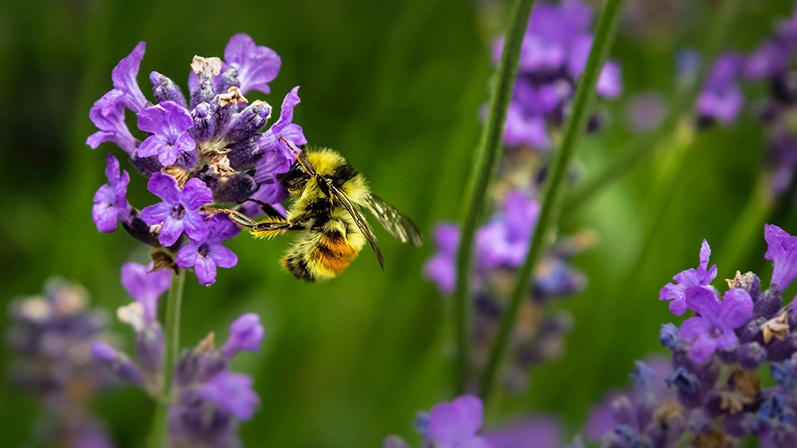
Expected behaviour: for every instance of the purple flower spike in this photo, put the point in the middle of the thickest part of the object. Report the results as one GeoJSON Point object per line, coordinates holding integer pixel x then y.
{"type": "Point", "coordinates": [108, 114]}
{"type": "Point", "coordinates": [505, 240]}
{"type": "Point", "coordinates": [207, 254]}
{"type": "Point", "coordinates": [257, 66]}
{"type": "Point", "coordinates": [721, 98]}
{"type": "Point", "coordinates": [441, 267]}
{"type": "Point", "coordinates": [716, 321]}
{"type": "Point", "coordinates": [179, 210]}
{"type": "Point", "coordinates": [690, 278]}
{"type": "Point", "coordinates": [455, 424]}
{"type": "Point", "coordinates": [169, 124]}
{"type": "Point", "coordinates": [246, 333]}
{"type": "Point", "coordinates": [146, 285]}
{"type": "Point", "coordinates": [232, 392]}
{"type": "Point", "coordinates": [110, 200]}
{"type": "Point", "coordinates": [782, 251]}
{"type": "Point", "coordinates": [124, 78]}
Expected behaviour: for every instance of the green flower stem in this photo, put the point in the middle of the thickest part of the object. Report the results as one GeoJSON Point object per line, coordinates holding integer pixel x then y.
{"type": "Point", "coordinates": [574, 131]}
{"type": "Point", "coordinates": [171, 334]}
{"type": "Point", "coordinates": [483, 170]}
{"type": "Point", "coordinates": [683, 104]}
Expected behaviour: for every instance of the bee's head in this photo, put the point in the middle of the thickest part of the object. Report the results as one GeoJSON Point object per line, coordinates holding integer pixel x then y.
{"type": "Point", "coordinates": [295, 178]}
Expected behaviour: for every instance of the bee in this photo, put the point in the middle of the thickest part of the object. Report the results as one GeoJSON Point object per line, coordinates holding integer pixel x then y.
{"type": "Point", "coordinates": [327, 194]}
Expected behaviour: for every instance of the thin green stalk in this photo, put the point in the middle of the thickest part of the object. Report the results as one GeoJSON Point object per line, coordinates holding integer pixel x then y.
{"type": "Point", "coordinates": [483, 170]}
{"type": "Point", "coordinates": [574, 131]}
{"type": "Point", "coordinates": [683, 104]}
{"type": "Point", "coordinates": [171, 335]}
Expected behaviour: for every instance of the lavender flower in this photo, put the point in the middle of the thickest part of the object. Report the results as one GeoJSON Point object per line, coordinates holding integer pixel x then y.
{"type": "Point", "coordinates": [208, 400]}
{"type": "Point", "coordinates": [212, 147]}
{"type": "Point", "coordinates": [51, 337]}
{"type": "Point", "coordinates": [689, 279]}
{"type": "Point", "coordinates": [552, 58]}
{"type": "Point", "coordinates": [721, 99]}
{"type": "Point", "coordinates": [713, 394]}
{"type": "Point", "coordinates": [450, 425]}
{"type": "Point", "coordinates": [207, 254]}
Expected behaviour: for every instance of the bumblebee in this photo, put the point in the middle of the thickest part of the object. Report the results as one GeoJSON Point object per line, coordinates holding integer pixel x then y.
{"type": "Point", "coordinates": [327, 194]}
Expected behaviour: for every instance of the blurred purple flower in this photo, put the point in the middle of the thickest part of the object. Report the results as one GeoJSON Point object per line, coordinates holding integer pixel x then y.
{"type": "Point", "coordinates": [233, 393]}
{"type": "Point", "coordinates": [721, 99]}
{"type": "Point", "coordinates": [246, 333]}
{"type": "Point", "coordinates": [455, 424]}
{"type": "Point", "coordinates": [441, 267]}
{"type": "Point", "coordinates": [146, 285]}
{"type": "Point", "coordinates": [537, 432]}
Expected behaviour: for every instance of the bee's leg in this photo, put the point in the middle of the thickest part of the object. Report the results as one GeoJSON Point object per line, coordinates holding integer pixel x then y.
{"type": "Point", "coordinates": [270, 227]}
{"type": "Point", "coordinates": [235, 216]}
{"type": "Point", "coordinates": [268, 210]}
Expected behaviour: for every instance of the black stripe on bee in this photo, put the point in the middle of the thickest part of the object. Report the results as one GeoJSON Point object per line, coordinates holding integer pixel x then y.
{"type": "Point", "coordinates": [342, 174]}
{"type": "Point", "coordinates": [298, 267]}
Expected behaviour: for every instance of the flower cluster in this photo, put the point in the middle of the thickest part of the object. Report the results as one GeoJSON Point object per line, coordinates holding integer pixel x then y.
{"type": "Point", "coordinates": [721, 99]}
{"type": "Point", "coordinates": [205, 149]}
{"type": "Point", "coordinates": [711, 392]}
{"type": "Point", "coordinates": [208, 400]}
{"type": "Point", "coordinates": [552, 58]}
{"type": "Point", "coordinates": [51, 335]}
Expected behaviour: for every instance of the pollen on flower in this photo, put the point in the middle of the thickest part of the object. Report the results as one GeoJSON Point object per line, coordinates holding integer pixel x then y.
{"type": "Point", "coordinates": [776, 328]}
{"type": "Point", "coordinates": [741, 281]}
{"type": "Point", "coordinates": [234, 96]}
{"type": "Point", "coordinates": [200, 65]}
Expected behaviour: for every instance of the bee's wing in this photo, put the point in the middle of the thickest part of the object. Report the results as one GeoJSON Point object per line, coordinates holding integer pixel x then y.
{"type": "Point", "coordinates": [359, 219]}
{"type": "Point", "coordinates": [398, 224]}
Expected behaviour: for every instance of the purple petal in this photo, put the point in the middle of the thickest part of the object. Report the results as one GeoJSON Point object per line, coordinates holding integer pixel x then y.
{"type": "Point", "coordinates": [155, 214]}
{"type": "Point", "coordinates": [782, 251]}
{"type": "Point", "coordinates": [171, 230]}
{"type": "Point", "coordinates": [103, 213]}
{"type": "Point", "coordinates": [223, 257]}
{"type": "Point", "coordinates": [187, 255]}
{"type": "Point", "coordinates": [165, 187]}
{"type": "Point", "coordinates": [440, 269]}
{"type": "Point", "coordinates": [703, 300]}
{"type": "Point", "coordinates": [737, 308]}
{"type": "Point", "coordinates": [146, 286]}
{"type": "Point", "coordinates": [270, 138]}
{"type": "Point", "coordinates": [694, 327]}
{"type": "Point", "coordinates": [108, 114]}
{"type": "Point", "coordinates": [195, 226]}
{"type": "Point", "coordinates": [205, 270]}
{"type": "Point", "coordinates": [195, 194]}
{"type": "Point", "coordinates": [124, 78]}
{"type": "Point", "coordinates": [701, 350]}
{"type": "Point", "coordinates": [705, 254]}
{"type": "Point", "coordinates": [257, 65]}
{"type": "Point", "coordinates": [456, 421]}
{"type": "Point", "coordinates": [246, 333]}
{"type": "Point", "coordinates": [232, 392]}
{"type": "Point", "coordinates": [610, 83]}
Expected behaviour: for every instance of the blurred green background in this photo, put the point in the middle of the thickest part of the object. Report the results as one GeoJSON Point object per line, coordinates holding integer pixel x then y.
{"type": "Point", "coordinates": [397, 88]}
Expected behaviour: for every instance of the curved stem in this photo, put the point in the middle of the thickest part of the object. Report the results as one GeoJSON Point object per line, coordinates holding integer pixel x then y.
{"type": "Point", "coordinates": [483, 170]}
{"type": "Point", "coordinates": [171, 332]}
{"type": "Point", "coordinates": [574, 131]}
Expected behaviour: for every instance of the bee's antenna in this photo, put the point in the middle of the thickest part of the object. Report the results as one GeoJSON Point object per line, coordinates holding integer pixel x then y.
{"type": "Point", "coordinates": [299, 157]}
{"type": "Point", "coordinates": [290, 146]}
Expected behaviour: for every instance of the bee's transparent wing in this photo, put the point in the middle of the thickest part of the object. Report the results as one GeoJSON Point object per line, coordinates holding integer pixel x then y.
{"type": "Point", "coordinates": [359, 219]}
{"type": "Point", "coordinates": [398, 224]}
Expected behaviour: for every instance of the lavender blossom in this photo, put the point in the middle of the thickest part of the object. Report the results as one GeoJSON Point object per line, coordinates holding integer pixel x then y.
{"type": "Point", "coordinates": [211, 148]}
{"type": "Point", "coordinates": [552, 58]}
{"type": "Point", "coordinates": [449, 425]}
{"type": "Point", "coordinates": [51, 336]}
{"type": "Point", "coordinates": [713, 395]}
{"type": "Point", "coordinates": [208, 400]}
{"type": "Point", "coordinates": [689, 279]}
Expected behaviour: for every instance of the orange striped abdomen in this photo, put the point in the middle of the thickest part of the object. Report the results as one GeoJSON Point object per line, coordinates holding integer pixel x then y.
{"type": "Point", "coordinates": [320, 256]}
